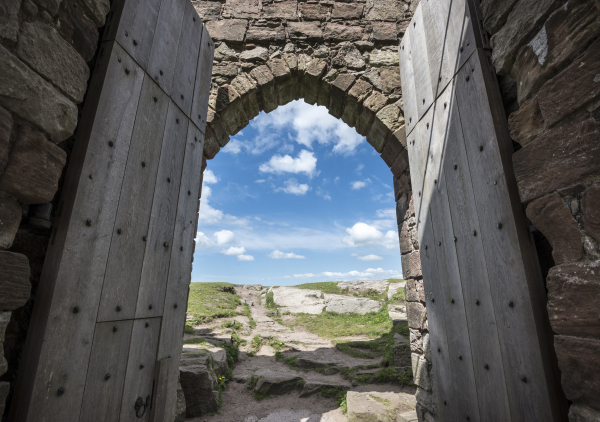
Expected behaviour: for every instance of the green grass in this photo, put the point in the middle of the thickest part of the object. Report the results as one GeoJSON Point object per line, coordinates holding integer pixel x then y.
{"type": "Point", "coordinates": [234, 325]}
{"type": "Point", "coordinates": [188, 329]}
{"type": "Point", "coordinates": [208, 301]}
{"type": "Point", "coordinates": [346, 347]}
{"type": "Point", "coordinates": [332, 325]}
{"type": "Point", "coordinates": [325, 287]}
{"type": "Point", "coordinates": [385, 402]}
{"type": "Point", "coordinates": [197, 340]}
{"type": "Point", "coordinates": [269, 302]}
{"type": "Point", "coordinates": [395, 280]}
{"type": "Point", "coordinates": [246, 312]}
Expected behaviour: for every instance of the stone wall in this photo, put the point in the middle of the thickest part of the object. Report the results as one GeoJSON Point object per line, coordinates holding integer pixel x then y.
{"type": "Point", "coordinates": [547, 54]}
{"type": "Point", "coordinates": [47, 49]}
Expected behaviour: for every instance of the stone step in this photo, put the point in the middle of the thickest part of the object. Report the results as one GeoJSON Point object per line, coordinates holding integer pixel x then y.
{"type": "Point", "coordinates": [410, 416]}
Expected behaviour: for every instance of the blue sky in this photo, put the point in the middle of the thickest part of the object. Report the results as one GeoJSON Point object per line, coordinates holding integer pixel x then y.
{"type": "Point", "coordinates": [297, 196]}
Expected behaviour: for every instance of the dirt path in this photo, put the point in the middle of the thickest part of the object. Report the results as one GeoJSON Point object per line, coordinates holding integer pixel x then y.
{"type": "Point", "coordinates": [239, 404]}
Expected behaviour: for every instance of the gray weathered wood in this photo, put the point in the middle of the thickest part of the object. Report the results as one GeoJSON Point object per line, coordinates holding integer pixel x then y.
{"type": "Point", "coordinates": [106, 373]}
{"type": "Point", "coordinates": [187, 59]}
{"type": "Point", "coordinates": [171, 339]}
{"type": "Point", "coordinates": [435, 24]}
{"type": "Point", "coordinates": [411, 115]}
{"type": "Point", "coordinates": [59, 342]}
{"type": "Point", "coordinates": [140, 367]}
{"type": "Point", "coordinates": [160, 243]}
{"type": "Point", "coordinates": [123, 269]}
{"type": "Point", "coordinates": [160, 392]}
{"type": "Point", "coordinates": [519, 332]}
{"type": "Point", "coordinates": [483, 334]}
{"type": "Point", "coordinates": [14, 283]}
{"type": "Point", "coordinates": [420, 63]}
{"type": "Point", "coordinates": [163, 55]}
{"type": "Point", "coordinates": [132, 23]}
{"type": "Point", "coordinates": [203, 79]}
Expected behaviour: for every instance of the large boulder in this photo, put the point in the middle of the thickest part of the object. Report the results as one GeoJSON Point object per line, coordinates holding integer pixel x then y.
{"type": "Point", "coordinates": [401, 352]}
{"type": "Point", "coordinates": [199, 384]}
{"type": "Point", "coordinates": [296, 300]}
{"type": "Point", "coordinates": [351, 305]}
{"type": "Point", "coordinates": [363, 286]}
{"type": "Point", "coordinates": [275, 383]}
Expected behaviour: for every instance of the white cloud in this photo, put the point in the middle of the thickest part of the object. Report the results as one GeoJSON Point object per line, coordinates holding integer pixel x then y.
{"type": "Point", "coordinates": [292, 187]}
{"type": "Point", "coordinates": [389, 213]}
{"type": "Point", "coordinates": [209, 177]}
{"type": "Point", "coordinates": [209, 215]}
{"type": "Point", "coordinates": [368, 273]}
{"type": "Point", "coordinates": [306, 163]}
{"type": "Point", "coordinates": [203, 241]}
{"type": "Point", "coordinates": [260, 181]}
{"type": "Point", "coordinates": [359, 169]}
{"type": "Point", "coordinates": [370, 257]}
{"type": "Point", "coordinates": [234, 146]}
{"type": "Point", "coordinates": [353, 254]}
{"type": "Point", "coordinates": [233, 250]}
{"type": "Point", "coordinates": [359, 184]}
{"type": "Point", "coordinates": [282, 255]}
{"type": "Point", "coordinates": [245, 258]}
{"type": "Point", "coordinates": [362, 234]}
{"type": "Point", "coordinates": [224, 237]}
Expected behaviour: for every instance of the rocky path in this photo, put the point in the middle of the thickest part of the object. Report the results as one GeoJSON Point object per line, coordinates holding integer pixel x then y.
{"type": "Point", "coordinates": [281, 393]}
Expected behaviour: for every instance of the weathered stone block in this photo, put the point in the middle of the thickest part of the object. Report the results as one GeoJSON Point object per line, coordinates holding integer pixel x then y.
{"type": "Point", "coordinates": [349, 56]}
{"type": "Point", "coordinates": [10, 217]}
{"type": "Point", "coordinates": [304, 30]}
{"type": "Point", "coordinates": [232, 30]}
{"type": "Point", "coordinates": [79, 30]}
{"type": "Point", "coordinates": [14, 283]}
{"type": "Point", "coordinates": [311, 11]}
{"type": "Point", "coordinates": [263, 34]}
{"type": "Point", "coordinates": [34, 168]}
{"type": "Point", "coordinates": [337, 33]}
{"type": "Point", "coordinates": [234, 117]}
{"type": "Point", "coordinates": [241, 9]}
{"type": "Point", "coordinates": [524, 20]}
{"type": "Point", "coordinates": [279, 69]}
{"type": "Point", "coordinates": [311, 81]}
{"type": "Point", "coordinates": [223, 97]}
{"type": "Point", "coordinates": [225, 53]}
{"type": "Point", "coordinates": [51, 6]}
{"type": "Point", "coordinates": [421, 373]}
{"type": "Point", "coordinates": [9, 23]}
{"type": "Point", "coordinates": [347, 10]}
{"type": "Point", "coordinates": [390, 79]}
{"type": "Point", "coordinates": [402, 186]}
{"type": "Point", "coordinates": [582, 413]}
{"type": "Point", "coordinates": [180, 404]}
{"type": "Point", "coordinates": [495, 14]}
{"type": "Point", "coordinates": [385, 31]}
{"type": "Point", "coordinates": [567, 31]}
{"type": "Point", "coordinates": [199, 383]}
{"type": "Point", "coordinates": [400, 163]}
{"type": "Point", "coordinates": [550, 215]}
{"type": "Point", "coordinates": [281, 10]}
{"type": "Point", "coordinates": [558, 158]}
{"type": "Point", "coordinates": [406, 245]}
{"type": "Point", "coordinates": [6, 122]}
{"type": "Point", "coordinates": [30, 97]}
{"type": "Point", "coordinates": [385, 123]}
{"type": "Point", "coordinates": [207, 10]}
{"type": "Point", "coordinates": [579, 363]}
{"type": "Point", "coordinates": [590, 211]}
{"type": "Point", "coordinates": [4, 320]}
{"type": "Point", "coordinates": [415, 291]}
{"type": "Point", "coordinates": [416, 341]}
{"type": "Point", "coordinates": [211, 144]}
{"type": "Point", "coordinates": [527, 123]}
{"type": "Point", "coordinates": [390, 152]}
{"type": "Point", "coordinates": [379, 58]}
{"type": "Point", "coordinates": [256, 54]}
{"type": "Point", "coordinates": [411, 265]}
{"type": "Point", "coordinates": [227, 71]}
{"type": "Point", "coordinates": [339, 90]}
{"type": "Point", "coordinates": [573, 297]}
{"type": "Point", "coordinates": [266, 82]}
{"type": "Point", "coordinates": [249, 94]}
{"type": "Point", "coordinates": [385, 10]}
{"type": "Point", "coordinates": [359, 91]}
{"type": "Point", "coordinates": [292, 62]}
{"type": "Point", "coordinates": [574, 87]}
{"type": "Point", "coordinates": [97, 10]}
{"type": "Point", "coordinates": [426, 399]}
{"type": "Point", "coordinates": [401, 353]}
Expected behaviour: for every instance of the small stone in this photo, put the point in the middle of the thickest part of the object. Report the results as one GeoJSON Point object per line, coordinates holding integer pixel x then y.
{"type": "Point", "coordinates": [96, 10]}
{"type": "Point", "coordinates": [241, 9]}
{"type": "Point", "coordinates": [30, 8]}
{"type": "Point", "coordinates": [582, 413]}
{"type": "Point", "coordinates": [364, 45]}
{"type": "Point", "coordinates": [321, 52]}
{"type": "Point", "coordinates": [289, 48]}
{"type": "Point", "coordinates": [411, 266]}
{"type": "Point", "coordinates": [379, 58]}
{"type": "Point", "coordinates": [349, 56]}
{"type": "Point", "coordinates": [336, 32]}
{"type": "Point", "coordinates": [256, 54]}
{"type": "Point", "coordinates": [304, 30]}
{"type": "Point", "coordinates": [46, 16]}
{"type": "Point", "coordinates": [347, 10]}
{"type": "Point", "coordinates": [228, 71]}
{"type": "Point", "coordinates": [262, 34]}
{"type": "Point", "coordinates": [385, 31]}
{"type": "Point", "coordinates": [274, 383]}
{"type": "Point", "coordinates": [385, 10]}
{"type": "Point", "coordinates": [281, 10]}
{"type": "Point", "coordinates": [312, 11]}
{"type": "Point", "coordinates": [417, 315]}
{"type": "Point", "coordinates": [390, 79]}
{"type": "Point", "coordinates": [224, 53]}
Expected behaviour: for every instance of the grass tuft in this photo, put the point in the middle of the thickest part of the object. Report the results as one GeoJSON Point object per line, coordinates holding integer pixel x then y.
{"type": "Point", "coordinates": [208, 301]}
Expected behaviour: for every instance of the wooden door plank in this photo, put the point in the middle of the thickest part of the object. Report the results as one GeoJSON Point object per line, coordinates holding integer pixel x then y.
{"type": "Point", "coordinates": [160, 392]}
{"type": "Point", "coordinates": [59, 341]}
{"type": "Point", "coordinates": [160, 243]}
{"type": "Point", "coordinates": [435, 22]}
{"type": "Point", "coordinates": [187, 59]}
{"type": "Point", "coordinates": [163, 55]}
{"type": "Point", "coordinates": [123, 269]}
{"type": "Point", "coordinates": [459, 42]}
{"type": "Point", "coordinates": [106, 373]}
{"type": "Point", "coordinates": [171, 338]}
{"type": "Point", "coordinates": [203, 80]}
{"type": "Point", "coordinates": [420, 62]}
{"type": "Point", "coordinates": [140, 367]}
{"type": "Point", "coordinates": [449, 291]}
{"type": "Point", "coordinates": [416, 166]}
{"type": "Point", "coordinates": [409, 97]}
{"type": "Point", "coordinates": [519, 335]}
{"type": "Point", "coordinates": [132, 24]}
{"type": "Point", "coordinates": [483, 334]}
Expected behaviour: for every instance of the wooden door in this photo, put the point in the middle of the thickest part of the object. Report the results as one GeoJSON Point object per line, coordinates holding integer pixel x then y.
{"type": "Point", "coordinates": [106, 332]}
{"type": "Point", "coordinates": [485, 297]}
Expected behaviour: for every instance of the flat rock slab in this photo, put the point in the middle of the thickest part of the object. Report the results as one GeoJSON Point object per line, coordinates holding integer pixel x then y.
{"type": "Point", "coordinates": [394, 287]}
{"type": "Point", "coordinates": [378, 407]}
{"type": "Point", "coordinates": [363, 286]}
{"type": "Point", "coordinates": [297, 301]}
{"type": "Point", "coordinates": [351, 305]}
{"type": "Point", "coordinates": [275, 383]}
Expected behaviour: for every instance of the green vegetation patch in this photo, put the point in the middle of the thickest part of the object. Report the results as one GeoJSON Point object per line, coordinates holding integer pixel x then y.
{"type": "Point", "coordinates": [325, 286]}
{"type": "Point", "coordinates": [197, 340]}
{"type": "Point", "coordinates": [332, 325]}
{"type": "Point", "coordinates": [269, 302]}
{"type": "Point", "coordinates": [208, 301]}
